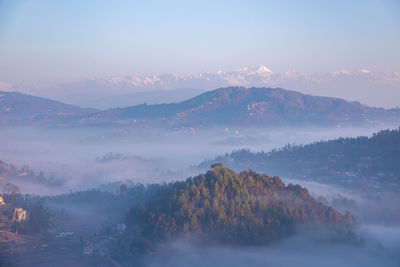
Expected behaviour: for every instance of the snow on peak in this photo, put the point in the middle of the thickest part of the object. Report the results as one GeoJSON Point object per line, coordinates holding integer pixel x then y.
{"type": "Point", "coordinates": [263, 69]}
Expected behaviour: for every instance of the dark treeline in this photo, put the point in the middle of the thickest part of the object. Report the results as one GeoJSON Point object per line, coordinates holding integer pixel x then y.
{"type": "Point", "coordinates": [362, 162]}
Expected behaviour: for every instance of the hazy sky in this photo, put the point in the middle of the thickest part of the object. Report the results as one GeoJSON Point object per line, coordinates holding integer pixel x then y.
{"type": "Point", "coordinates": [47, 40]}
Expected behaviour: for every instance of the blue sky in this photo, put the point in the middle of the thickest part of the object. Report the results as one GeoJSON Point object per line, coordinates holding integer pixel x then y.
{"type": "Point", "coordinates": [51, 41]}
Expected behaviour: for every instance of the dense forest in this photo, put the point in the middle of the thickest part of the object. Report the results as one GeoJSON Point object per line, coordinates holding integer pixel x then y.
{"type": "Point", "coordinates": [362, 162]}
{"type": "Point", "coordinates": [222, 206]}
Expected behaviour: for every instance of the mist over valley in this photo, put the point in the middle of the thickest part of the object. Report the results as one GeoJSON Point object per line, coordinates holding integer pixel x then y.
{"type": "Point", "coordinates": [77, 173]}
{"type": "Point", "coordinates": [212, 133]}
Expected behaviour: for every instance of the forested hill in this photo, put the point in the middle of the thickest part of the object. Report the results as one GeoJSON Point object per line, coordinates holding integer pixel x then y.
{"type": "Point", "coordinates": [257, 107]}
{"type": "Point", "coordinates": [362, 162]}
{"type": "Point", "coordinates": [223, 206]}
{"type": "Point", "coordinates": [223, 107]}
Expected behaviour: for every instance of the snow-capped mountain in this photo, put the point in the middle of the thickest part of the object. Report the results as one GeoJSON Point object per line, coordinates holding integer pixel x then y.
{"type": "Point", "coordinates": [380, 87]}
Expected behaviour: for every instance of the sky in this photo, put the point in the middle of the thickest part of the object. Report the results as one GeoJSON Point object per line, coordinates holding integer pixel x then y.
{"type": "Point", "coordinates": [61, 41]}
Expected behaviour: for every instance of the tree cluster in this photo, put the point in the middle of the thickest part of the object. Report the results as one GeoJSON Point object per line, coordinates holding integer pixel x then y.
{"type": "Point", "coordinates": [221, 205]}
{"type": "Point", "coordinates": [359, 163]}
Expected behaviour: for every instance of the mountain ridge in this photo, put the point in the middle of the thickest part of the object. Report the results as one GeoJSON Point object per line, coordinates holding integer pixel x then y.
{"type": "Point", "coordinates": [15, 106]}
{"type": "Point", "coordinates": [342, 83]}
{"type": "Point", "coordinates": [252, 106]}
{"type": "Point", "coordinates": [223, 107]}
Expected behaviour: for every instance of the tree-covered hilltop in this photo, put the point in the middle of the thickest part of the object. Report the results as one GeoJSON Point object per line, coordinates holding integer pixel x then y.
{"type": "Point", "coordinates": [362, 162]}
{"type": "Point", "coordinates": [222, 206]}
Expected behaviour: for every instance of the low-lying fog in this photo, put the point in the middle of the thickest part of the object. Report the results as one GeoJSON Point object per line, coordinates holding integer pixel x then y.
{"type": "Point", "coordinates": [300, 250]}
{"type": "Point", "coordinates": [81, 156]}
{"type": "Point", "coordinates": [86, 158]}
{"type": "Point", "coordinates": [378, 224]}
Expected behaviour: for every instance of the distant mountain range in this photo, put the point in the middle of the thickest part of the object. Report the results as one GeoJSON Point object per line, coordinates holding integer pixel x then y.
{"type": "Point", "coordinates": [259, 107]}
{"type": "Point", "coordinates": [18, 107]}
{"type": "Point", "coordinates": [369, 87]}
{"type": "Point", "coordinates": [224, 107]}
